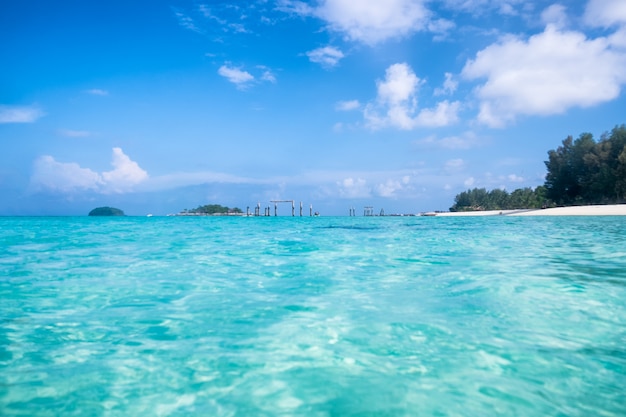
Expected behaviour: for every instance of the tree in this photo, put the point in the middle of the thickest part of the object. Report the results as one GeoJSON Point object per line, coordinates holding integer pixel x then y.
{"type": "Point", "coordinates": [567, 171]}
{"type": "Point", "coordinates": [617, 161]}
{"type": "Point", "coordinates": [470, 200]}
{"type": "Point", "coordinates": [497, 199]}
{"type": "Point", "coordinates": [586, 172]}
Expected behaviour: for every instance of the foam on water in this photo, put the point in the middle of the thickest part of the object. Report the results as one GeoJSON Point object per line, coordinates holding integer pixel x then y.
{"type": "Point", "coordinates": [313, 316]}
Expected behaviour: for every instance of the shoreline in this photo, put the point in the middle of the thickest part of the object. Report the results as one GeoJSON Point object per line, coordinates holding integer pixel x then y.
{"type": "Point", "coordinates": [593, 210]}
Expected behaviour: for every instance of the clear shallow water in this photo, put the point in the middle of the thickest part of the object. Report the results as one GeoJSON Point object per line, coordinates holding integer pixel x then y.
{"type": "Point", "coordinates": [313, 316]}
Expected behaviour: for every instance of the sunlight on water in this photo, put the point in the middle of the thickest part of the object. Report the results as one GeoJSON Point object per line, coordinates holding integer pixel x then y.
{"type": "Point", "coordinates": [312, 316]}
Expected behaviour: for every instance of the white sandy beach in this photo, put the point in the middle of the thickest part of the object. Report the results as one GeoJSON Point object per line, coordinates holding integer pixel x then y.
{"type": "Point", "coordinates": [600, 210]}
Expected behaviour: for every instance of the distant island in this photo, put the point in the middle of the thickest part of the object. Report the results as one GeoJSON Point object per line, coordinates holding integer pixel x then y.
{"type": "Point", "coordinates": [212, 210]}
{"type": "Point", "coordinates": [106, 211]}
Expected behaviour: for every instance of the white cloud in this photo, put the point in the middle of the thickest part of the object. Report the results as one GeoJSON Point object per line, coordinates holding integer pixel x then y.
{"type": "Point", "coordinates": [555, 15]}
{"type": "Point", "coordinates": [449, 86]}
{"type": "Point", "coordinates": [400, 85]}
{"type": "Point", "coordinates": [440, 28]}
{"type": "Point", "coordinates": [97, 92]}
{"type": "Point", "coordinates": [243, 79]}
{"type": "Point", "coordinates": [546, 74]}
{"type": "Point", "coordinates": [235, 75]}
{"type": "Point", "coordinates": [19, 114]}
{"type": "Point", "coordinates": [605, 13]}
{"type": "Point", "coordinates": [444, 114]}
{"type": "Point", "coordinates": [515, 178]}
{"type": "Point", "coordinates": [354, 188]}
{"type": "Point", "coordinates": [347, 105]}
{"type": "Point", "coordinates": [125, 174]}
{"type": "Point", "coordinates": [467, 140]}
{"type": "Point", "coordinates": [469, 182]}
{"type": "Point", "coordinates": [618, 39]}
{"type": "Point", "coordinates": [268, 76]}
{"type": "Point", "coordinates": [390, 187]}
{"type": "Point", "coordinates": [74, 133]}
{"type": "Point", "coordinates": [396, 97]}
{"type": "Point", "coordinates": [187, 22]}
{"type": "Point", "coordinates": [396, 103]}
{"type": "Point", "coordinates": [295, 7]}
{"type": "Point", "coordinates": [328, 56]}
{"type": "Point", "coordinates": [63, 177]}
{"type": "Point", "coordinates": [368, 21]}
{"type": "Point", "coordinates": [48, 174]}
{"type": "Point", "coordinates": [477, 7]}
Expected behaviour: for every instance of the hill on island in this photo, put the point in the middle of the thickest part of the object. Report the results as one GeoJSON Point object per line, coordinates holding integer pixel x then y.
{"type": "Point", "coordinates": [106, 211]}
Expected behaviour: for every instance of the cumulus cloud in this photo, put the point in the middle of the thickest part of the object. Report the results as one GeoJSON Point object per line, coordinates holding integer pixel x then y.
{"type": "Point", "coordinates": [390, 187]}
{"type": "Point", "coordinates": [449, 86]}
{"type": "Point", "coordinates": [354, 188]}
{"type": "Point", "coordinates": [444, 114]}
{"type": "Point", "coordinates": [347, 105]}
{"type": "Point", "coordinates": [125, 174]}
{"type": "Point", "coordinates": [243, 79]}
{"type": "Point", "coordinates": [396, 98]}
{"type": "Point", "coordinates": [235, 75]}
{"type": "Point", "coordinates": [327, 56]}
{"type": "Point", "coordinates": [366, 21]}
{"type": "Point", "coordinates": [63, 177]}
{"type": "Point", "coordinates": [555, 15]}
{"type": "Point", "coordinates": [19, 114]}
{"type": "Point", "coordinates": [68, 177]}
{"type": "Point", "coordinates": [546, 74]}
{"type": "Point", "coordinates": [396, 103]}
{"type": "Point", "coordinates": [267, 75]}
{"type": "Point", "coordinates": [605, 13]}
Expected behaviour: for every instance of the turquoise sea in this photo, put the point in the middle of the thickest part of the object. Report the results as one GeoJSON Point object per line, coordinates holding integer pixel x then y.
{"type": "Point", "coordinates": [327, 316]}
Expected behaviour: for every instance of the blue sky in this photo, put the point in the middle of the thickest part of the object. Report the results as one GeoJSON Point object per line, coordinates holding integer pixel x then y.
{"type": "Point", "coordinates": [159, 106]}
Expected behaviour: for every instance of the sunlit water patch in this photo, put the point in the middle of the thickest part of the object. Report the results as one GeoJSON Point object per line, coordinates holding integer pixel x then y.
{"type": "Point", "coordinates": [312, 316]}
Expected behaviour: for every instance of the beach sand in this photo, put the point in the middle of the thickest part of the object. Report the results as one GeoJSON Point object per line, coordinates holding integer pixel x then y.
{"type": "Point", "coordinates": [600, 210]}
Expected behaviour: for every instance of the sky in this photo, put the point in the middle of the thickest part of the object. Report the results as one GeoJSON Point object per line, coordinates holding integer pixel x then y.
{"type": "Point", "coordinates": [158, 106]}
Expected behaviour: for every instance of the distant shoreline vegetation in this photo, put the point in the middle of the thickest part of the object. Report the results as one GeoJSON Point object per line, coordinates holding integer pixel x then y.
{"type": "Point", "coordinates": [580, 172]}
{"type": "Point", "coordinates": [106, 211]}
{"type": "Point", "coordinates": [212, 210]}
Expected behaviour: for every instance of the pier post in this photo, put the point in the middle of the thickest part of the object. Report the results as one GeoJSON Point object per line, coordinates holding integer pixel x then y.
{"type": "Point", "coordinates": [293, 208]}
{"type": "Point", "coordinates": [301, 209]}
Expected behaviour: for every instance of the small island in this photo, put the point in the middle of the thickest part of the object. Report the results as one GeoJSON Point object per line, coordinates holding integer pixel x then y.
{"type": "Point", "coordinates": [106, 211]}
{"type": "Point", "coordinates": [212, 210]}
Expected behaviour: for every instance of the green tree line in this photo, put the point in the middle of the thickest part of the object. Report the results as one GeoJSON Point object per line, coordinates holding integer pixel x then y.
{"type": "Point", "coordinates": [213, 209]}
{"type": "Point", "coordinates": [481, 199]}
{"type": "Point", "coordinates": [581, 171]}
